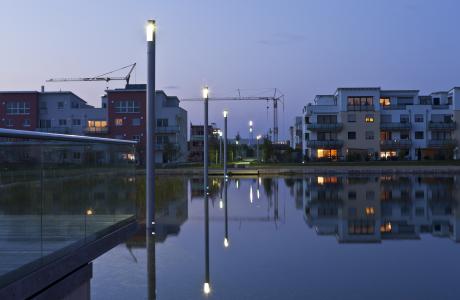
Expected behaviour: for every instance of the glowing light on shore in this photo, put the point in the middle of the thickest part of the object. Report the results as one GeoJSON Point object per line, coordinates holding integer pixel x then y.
{"type": "Point", "coordinates": [250, 194]}
{"type": "Point", "coordinates": [226, 243]}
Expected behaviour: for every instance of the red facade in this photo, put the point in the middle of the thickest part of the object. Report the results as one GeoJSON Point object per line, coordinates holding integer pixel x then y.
{"type": "Point", "coordinates": [126, 115]}
{"type": "Point", "coordinates": [19, 110]}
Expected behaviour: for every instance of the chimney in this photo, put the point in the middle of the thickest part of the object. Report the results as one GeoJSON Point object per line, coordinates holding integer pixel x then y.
{"type": "Point", "coordinates": [43, 88]}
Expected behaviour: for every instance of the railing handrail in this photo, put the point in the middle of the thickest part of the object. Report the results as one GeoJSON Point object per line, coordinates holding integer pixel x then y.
{"type": "Point", "coordinates": [25, 134]}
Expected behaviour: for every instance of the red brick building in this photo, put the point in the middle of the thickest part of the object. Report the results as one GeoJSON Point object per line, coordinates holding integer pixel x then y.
{"type": "Point", "coordinates": [126, 109]}
{"type": "Point", "coordinates": [19, 110]}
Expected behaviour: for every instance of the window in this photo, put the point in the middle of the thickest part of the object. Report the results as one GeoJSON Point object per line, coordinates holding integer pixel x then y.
{"type": "Point", "coordinates": [62, 122]}
{"type": "Point", "coordinates": [369, 119]}
{"type": "Point", "coordinates": [76, 122]}
{"type": "Point", "coordinates": [404, 135]}
{"type": "Point", "coordinates": [77, 155]}
{"type": "Point", "coordinates": [419, 135]}
{"type": "Point", "coordinates": [128, 106]}
{"type": "Point", "coordinates": [307, 136]}
{"type": "Point", "coordinates": [60, 105]}
{"type": "Point", "coordinates": [326, 153]}
{"type": "Point", "coordinates": [162, 122]}
{"type": "Point", "coordinates": [404, 119]}
{"type": "Point", "coordinates": [43, 105]}
{"type": "Point", "coordinates": [326, 119]}
{"type": "Point", "coordinates": [418, 118]}
{"type": "Point", "coordinates": [419, 194]}
{"type": "Point", "coordinates": [369, 135]}
{"type": "Point", "coordinates": [351, 195]}
{"type": "Point", "coordinates": [351, 135]}
{"type": "Point", "coordinates": [351, 118]}
{"type": "Point", "coordinates": [436, 101]}
{"type": "Point", "coordinates": [352, 211]}
{"type": "Point", "coordinates": [385, 102]}
{"type": "Point", "coordinates": [162, 139]}
{"type": "Point", "coordinates": [136, 138]}
{"type": "Point", "coordinates": [370, 195]}
{"type": "Point", "coordinates": [26, 123]}
{"type": "Point", "coordinates": [136, 122]}
{"type": "Point", "coordinates": [307, 120]}
{"type": "Point", "coordinates": [97, 123]}
{"type": "Point", "coordinates": [17, 108]}
{"type": "Point", "coordinates": [370, 211]}
{"type": "Point", "coordinates": [405, 100]}
{"type": "Point", "coordinates": [45, 123]}
{"type": "Point", "coordinates": [74, 105]}
{"type": "Point", "coordinates": [385, 118]}
{"type": "Point", "coordinates": [9, 123]}
{"type": "Point", "coordinates": [360, 103]}
{"type": "Point", "coordinates": [118, 122]}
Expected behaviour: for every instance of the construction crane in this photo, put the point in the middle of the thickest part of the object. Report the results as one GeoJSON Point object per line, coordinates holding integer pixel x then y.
{"type": "Point", "coordinates": [103, 77]}
{"type": "Point", "coordinates": [277, 97]}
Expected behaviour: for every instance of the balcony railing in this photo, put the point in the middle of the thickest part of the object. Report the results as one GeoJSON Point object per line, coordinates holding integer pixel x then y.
{"type": "Point", "coordinates": [442, 125]}
{"type": "Point", "coordinates": [161, 147]}
{"type": "Point", "coordinates": [395, 126]}
{"type": "Point", "coordinates": [394, 107]}
{"type": "Point", "coordinates": [167, 129]}
{"type": "Point", "coordinates": [325, 144]}
{"type": "Point", "coordinates": [66, 200]}
{"type": "Point", "coordinates": [360, 108]}
{"type": "Point", "coordinates": [96, 130]}
{"type": "Point", "coordinates": [440, 106]}
{"type": "Point", "coordinates": [441, 143]}
{"type": "Point", "coordinates": [63, 130]}
{"type": "Point", "coordinates": [325, 126]}
{"type": "Point", "coordinates": [395, 144]}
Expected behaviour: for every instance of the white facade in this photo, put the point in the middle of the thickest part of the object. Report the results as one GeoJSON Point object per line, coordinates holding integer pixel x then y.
{"type": "Point", "coordinates": [65, 112]}
{"type": "Point", "coordinates": [377, 123]}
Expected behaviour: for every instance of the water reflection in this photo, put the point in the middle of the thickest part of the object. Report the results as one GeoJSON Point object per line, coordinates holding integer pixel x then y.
{"type": "Point", "coordinates": [261, 246]}
{"type": "Point", "coordinates": [376, 208]}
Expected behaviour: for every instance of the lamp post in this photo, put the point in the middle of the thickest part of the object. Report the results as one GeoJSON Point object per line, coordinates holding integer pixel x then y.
{"type": "Point", "coordinates": [250, 132]}
{"type": "Point", "coordinates": [226, 240]}
{"type": "Point", "coordinates": [225, 143]}
{"type": "Point", "coordinates": [220, 146]}
{"type": "Point", "coordinates": [258, 138]}
{"type": "Point", "coordinates": [150, 157]}
{"type": "Point", "coordinates": [206, 285]}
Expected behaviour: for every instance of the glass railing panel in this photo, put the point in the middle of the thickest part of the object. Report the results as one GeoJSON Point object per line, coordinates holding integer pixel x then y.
{"type": "Point", "coordinates": [59, 193]}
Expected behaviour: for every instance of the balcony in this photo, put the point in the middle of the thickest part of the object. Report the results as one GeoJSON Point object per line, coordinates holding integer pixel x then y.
{"type": "Point", "coordinates": [360, 108]}
{"type": "Point", "coordinates": [96, 130]}
{"type": "Point", "coordinates": [161, 147]}
{"type": "Point", "coordinates": [395, 144]}
{"type": "Point", "coordinates": [442, 125]}
{"type": "Point", "coordinates": [325, 126]}
{"type": "Point", "coordinates": [395, 126]}
{"type": "Point", "coordinates": [440, 106]}
{"type": "Point", "coordinates": [442, 143]}
{"type": "Point", "coordinates": [55, 130]}
{"type": "Point", "coordinates": [331, 144]}
{"type": "Point", "coordinates": [394, 107]}
{"type": "Point", "coordinates": [167, 129]}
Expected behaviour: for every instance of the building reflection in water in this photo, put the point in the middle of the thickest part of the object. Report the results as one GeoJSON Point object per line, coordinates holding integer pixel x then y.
{"type": "Point", "coordinates": [376, 208]}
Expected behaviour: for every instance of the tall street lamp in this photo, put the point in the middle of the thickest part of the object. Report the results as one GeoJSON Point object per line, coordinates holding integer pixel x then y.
{"type": "Point", "coordinates": [225, 143]}
{"type": "Point", "coordinates": [151, 123]}
{"type": "Point", "coordinates": [251, 137]}
{"type": "Point", "coordinates": [258, 138]}
{"type": "Point", "coordinates": [206, 285]}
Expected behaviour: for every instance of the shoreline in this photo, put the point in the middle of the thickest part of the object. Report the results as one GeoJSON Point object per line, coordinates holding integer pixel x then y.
{"type": "Point", "coordinates": [326, 169]}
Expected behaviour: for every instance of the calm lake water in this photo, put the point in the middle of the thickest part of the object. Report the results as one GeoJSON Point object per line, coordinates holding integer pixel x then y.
{"type": "Point", "coordinates": [313, 237]}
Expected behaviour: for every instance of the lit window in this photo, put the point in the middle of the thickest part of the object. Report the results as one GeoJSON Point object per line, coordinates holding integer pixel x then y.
{"type": "Point", "coordinates": [385, 101]}
{"type": "Point", "coordinates": [369, 118]}
{"type": "Point", "coordinates": [370, 211]}
{"type": "Point", "coordinates": [386, 227]}
{"type": "Point", "coordinates": [327, 153]}
{"type": "Point", "coordinates": [118, 122]}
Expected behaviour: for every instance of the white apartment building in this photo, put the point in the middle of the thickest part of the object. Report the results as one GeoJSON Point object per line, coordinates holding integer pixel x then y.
{"type": "Point", "coordinates": [371, 123]}
{"type": "Point", "coordinates": [65, 112]}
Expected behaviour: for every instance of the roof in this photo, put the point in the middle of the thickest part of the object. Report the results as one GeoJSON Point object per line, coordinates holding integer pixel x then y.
{"type": "Point", "coordinates": [18, 92]}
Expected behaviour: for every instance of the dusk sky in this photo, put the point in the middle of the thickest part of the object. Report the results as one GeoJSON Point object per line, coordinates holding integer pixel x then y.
{"type": "Point", "coordinates": [301, 47]}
